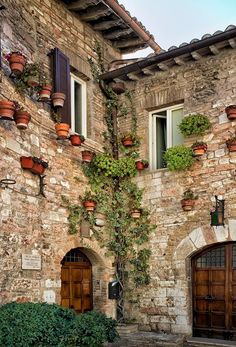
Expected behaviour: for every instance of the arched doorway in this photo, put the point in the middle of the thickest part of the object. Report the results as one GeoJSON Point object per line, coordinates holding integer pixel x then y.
{"type": "Point", "coordinates": [214, 292]}
{"type": "Point", "coordinates": [76, 281]}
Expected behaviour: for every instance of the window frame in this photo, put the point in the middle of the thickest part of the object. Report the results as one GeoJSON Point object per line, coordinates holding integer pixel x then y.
{"type": "Point", "coordinates": [152, 129]}
{"type": "Point", "coordinates": [73, 79]}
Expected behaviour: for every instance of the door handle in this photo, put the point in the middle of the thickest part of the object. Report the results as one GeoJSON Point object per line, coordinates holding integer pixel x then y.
{"type": "Point", "coordinates": [209, 297]}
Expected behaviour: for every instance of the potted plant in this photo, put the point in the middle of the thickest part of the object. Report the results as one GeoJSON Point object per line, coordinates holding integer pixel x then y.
{"type": "Point", "coordinates": [87, 156]}
{"type": "Point", "coordinates": [76, 139]}
{"type": "Point", "coordinates": [136, 213]}
{"type": "Point", "coordinates": [178, 158]}
{"type": "Point", "coordinates": [31, 74]}
{"type": "Point", "coordinates": [199, 148]}
{"type": "Point", "coordinates": [7, 109]}
{"type": "Point", "coordinates": [117, 87]}
{"type": "Point", "coordinates": [231, 112]}
{"type": "Point", "coordinates": [62, 129]}
{"type": "Point", "coordinates": [89, 201]}
{"type": "Point", "coordinates": [141, 164]}
{"type": "Point", "coordinates": [34, 164]}
{"type": "Point", "coordinates": [58, 99]}
{"type": "Point", "coordinates": [100, 219]}
{"type": "Point", "coordinates": [231, 143]}
{"type": "Point", "coordinates": [188, 200]}
{"type": "Point", "coordinates": [45, 90]}
{"type": "Point", "coordinates": [128, 140]}
{"type": "Point", "coordinates": [16, 61]}
{"type": "Point", "coordinates": [194, 124]}
{"type": "Point", "coordinates": [21, 117]}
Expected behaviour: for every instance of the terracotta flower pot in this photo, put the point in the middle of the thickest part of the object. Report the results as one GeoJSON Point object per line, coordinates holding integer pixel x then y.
{"type": "Point", "coordinates": [231, 112]}
{"type": "Point", "coordinates": [45, 92]}
{"type": "Point", "coordinates": [22, 119]}
{"type": "Point", "coordinates": [58, 99]}
{"type": "Point", "coordinates": [33, 81]}
{"type": "Point", "coordinates": [38, 168]}
{"type": "Point", "coordinates": [199, 150]}
{"type": "Point", "coordinates": [187, 204]}
{"type": "Point", "coordinates": [7, 109]}
{"type": "Point", "coordinates": [136, 214]}
{"type": "Point", "coordinates": [118, 87]}
{"type": "Point", "coordinates": [89, 205]}
{"type": "Point", "coordinates": [140, 165]}
{"type": "Point", "coordinates": [232, 146]}
{"type": "Point", "coordinates": [26, 162]}
{"type": "Point", "coordinates": [62, 130]}
{"type": "Point", "coordinates": [17, 63]}
{"type": "Point", "coordinates": [75, 140]}
{"type": "Point", "coordinates": [87, 156]}
{"type": "Point", "coordinates": [127, 141]}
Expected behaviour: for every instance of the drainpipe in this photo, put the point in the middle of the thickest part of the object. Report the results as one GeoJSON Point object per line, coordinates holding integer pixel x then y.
{"type": "Point", "coordinates": [113, 4]}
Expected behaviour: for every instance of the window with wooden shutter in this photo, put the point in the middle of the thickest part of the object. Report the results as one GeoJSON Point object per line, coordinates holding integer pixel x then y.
{"type": "Point", "coordinates": [61, 76]}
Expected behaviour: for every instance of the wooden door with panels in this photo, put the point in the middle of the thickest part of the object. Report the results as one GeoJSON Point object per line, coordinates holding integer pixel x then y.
{"type": "Point", "coordinates": [76, 282]}
{"type": "Point", "coordinates": [214, 292]}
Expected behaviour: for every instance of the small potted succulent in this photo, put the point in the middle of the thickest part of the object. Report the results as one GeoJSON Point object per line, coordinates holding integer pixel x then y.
{"type": "Point", "coordinates": [62, 129]}
{"type": "Point", "coordinates": [7, 109]}
{"type": "Point", "coordinates": [87, 156]}
{"type": "Point", "coordinates": [199, 148]}
{"type": "Point", "coordinates": [231, 112]}
{"type": "Point", "coordinates": [188, 200]}
{"type": "Point", "coordinates": [34, 164]}
{"type": "Point", "coordinates": [141, 164]}
{"type": "Point", "coordinates": [136, 213]}
{"type": "Point", "coordinates": [17, 62]}
{"type": "Point", "coordinates": [21, 117]}
{"type": "Point", "coordinates": [89, 201]}
{"type": "Point", "coordinates": [76, 139]}
{"type": "Point", "coordinates": [58, 99]}
{"type": "Point", "coordinates": [231, 143]}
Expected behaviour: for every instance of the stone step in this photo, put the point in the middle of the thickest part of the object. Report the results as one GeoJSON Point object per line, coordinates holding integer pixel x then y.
{"type": "Point", "coordinates": [202, 342]}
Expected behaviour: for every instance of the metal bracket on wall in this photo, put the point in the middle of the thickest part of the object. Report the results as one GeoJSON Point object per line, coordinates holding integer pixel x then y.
{"type": "Point", "coordinates": [2, 7]}
{"type": "Point", "coordinates": [7, 182]}
{"type": "Point", "coordinates": [41, 186]}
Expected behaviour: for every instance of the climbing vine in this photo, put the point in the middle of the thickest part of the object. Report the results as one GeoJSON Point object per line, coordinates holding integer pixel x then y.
{"type": "Point", "coordinates": [110, 177]}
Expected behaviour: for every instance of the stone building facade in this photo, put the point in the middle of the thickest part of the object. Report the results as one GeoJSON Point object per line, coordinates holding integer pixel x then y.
{"type": "Point", "coordinates": [33, 225]}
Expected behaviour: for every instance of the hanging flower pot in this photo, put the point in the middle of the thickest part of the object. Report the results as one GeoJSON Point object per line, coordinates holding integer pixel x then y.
{"type": "Point", "coordinates": [76, 139]}
{"type": "Point", "coordinates": [17, 62]}
{"type": "Point", "coordinates": [141, 164]}
{"type": "Point", "coordinates": [231, 144]}
{"type": "Point", "coordinates": [22, 119]}
{"type": "Point", "coordinates": [128, 141]}
{"type": "Point", "coordinates": [100, 219]}
{"type": "Point", "coordinates": [39, 166]}
{"type": "Point", "coordinates": [188, 200]}
{"type": "Point", "coordinates": [117, 87]}
{"type": "Point", "coordinates": [58, 99]}
{"type": "Point", "coordinates": [45, 92]}
{"type": "Point", "coordinates": [87, 156]}
{"type": "Point", "coordinates": [136, 213]}
{"type": "Point", "coordinates": [7, 109]}
{"type": "Point", "coordinates": [199, 148]}
{"type": "Point", "coordinates": [33, 81]}
{"type": "Point", "coordinates": [231, 112]}
{"type": "Point", "coordinates": [26, 162]}
{"type": "Point", "coordinates": [62, 130]}
{"type": "Point", "coordinates": [89, 205]}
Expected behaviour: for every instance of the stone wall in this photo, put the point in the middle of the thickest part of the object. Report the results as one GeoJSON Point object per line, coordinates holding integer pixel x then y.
{"type": "Point", "coordinates": [31, 224]}
{"type": "Point", "coordinates": [206, 86]}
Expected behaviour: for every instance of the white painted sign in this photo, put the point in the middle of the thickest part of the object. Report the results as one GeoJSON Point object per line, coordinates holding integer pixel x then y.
{"type": "Point", "coordinates": [49, 296]}
{"type": "Point", "coordinates": [31, 262]}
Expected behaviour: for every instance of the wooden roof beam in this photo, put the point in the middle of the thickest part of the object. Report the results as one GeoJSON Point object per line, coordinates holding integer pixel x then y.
{"type": "Point", "coordinates": [163, 66]}
{"type": "Point", "coordinates": [95, 14]}
{"type": "Point", "coordinates": [196, 55]}
{"type": "Point", "coordinates": [133, 77]}
{"type": "Point", "coordinates": [148, 72]}
{"type": "Point", "coordinates": [127, 43]}
{"type": "Point", "coordinates": [232, 43]}
{"type": "Point", "coordinates": [214, 49]}
{"type": "Point", "coordinates": [107, 24]}
{"type": "Point", "coordinates": [82, 5]}
{"type": "Point", "coordinates": [179, 61]}
{"type": "Point", "coordinates": [115, 34]}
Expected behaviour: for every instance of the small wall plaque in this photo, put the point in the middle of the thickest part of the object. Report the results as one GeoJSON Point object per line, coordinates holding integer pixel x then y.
{"type": "Point", "coordinates": [31, 262]}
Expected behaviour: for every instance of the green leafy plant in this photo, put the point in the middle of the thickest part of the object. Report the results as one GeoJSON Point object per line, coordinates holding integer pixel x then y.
{"type": "Point", "coordinates": [178, 158]}
{"type": "Point", "coordinates": [55, 116]}
{"type": "Point", "coordinates": [189, 195]}
{"type": "Point", "coordinates": [40, 325]}
{"type": "Point", "coordinates": [195, 124]}
{"type": "Point", "coordinates": [106, 165]}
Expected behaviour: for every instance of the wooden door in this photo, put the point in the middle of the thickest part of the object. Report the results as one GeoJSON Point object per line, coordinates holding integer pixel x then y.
{"type": "Point", "coordinates": [76, 284]}
{"type": "Point", "coordinates": [214, 292]}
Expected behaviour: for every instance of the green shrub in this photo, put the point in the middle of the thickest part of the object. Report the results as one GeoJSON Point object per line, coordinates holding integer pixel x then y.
{"type": "Point", "coordinates": [178, 158]}
{"type": "Point", "coordinates": [195, 124]}
{"type": "Point", "coordinates": [43, 325]}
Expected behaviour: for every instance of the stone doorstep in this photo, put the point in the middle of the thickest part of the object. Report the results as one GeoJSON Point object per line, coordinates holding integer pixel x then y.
{"type": "Point", "coordinates": [202, 342]}
{"type": "Point", "coordinates": [149, 339]}
{"type": "Point", "coordinates": [126, 329]}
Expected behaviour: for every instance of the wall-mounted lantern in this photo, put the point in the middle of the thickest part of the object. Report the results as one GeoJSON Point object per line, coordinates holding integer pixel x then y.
{"type": "Point", "coordinates": [217, 216]}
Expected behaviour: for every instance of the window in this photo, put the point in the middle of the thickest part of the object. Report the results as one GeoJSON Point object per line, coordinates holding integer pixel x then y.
{"type": "Point", "coordinates": [78, 105]}
{"type": "Point", "coordinates": [164, 133]}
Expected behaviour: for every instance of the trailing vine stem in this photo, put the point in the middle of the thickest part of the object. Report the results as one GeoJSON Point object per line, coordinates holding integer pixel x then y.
{"type": "Point", "coordinates": [110, 176]}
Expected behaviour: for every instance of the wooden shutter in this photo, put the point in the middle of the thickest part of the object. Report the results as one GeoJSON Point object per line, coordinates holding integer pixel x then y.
{"type": "Point", "coordinates": [61, 76]}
